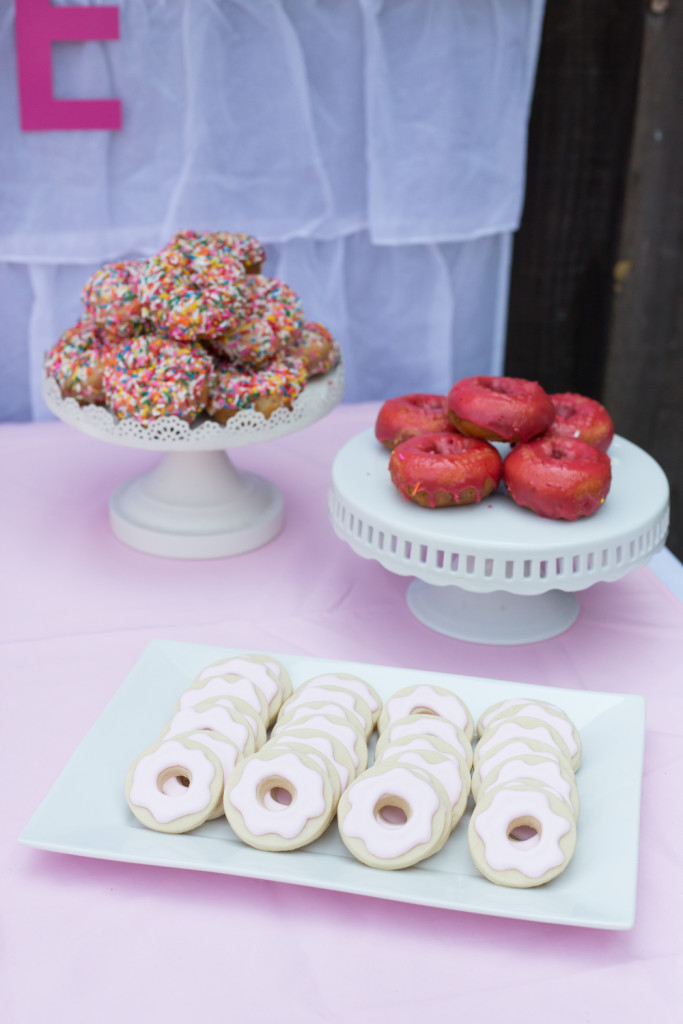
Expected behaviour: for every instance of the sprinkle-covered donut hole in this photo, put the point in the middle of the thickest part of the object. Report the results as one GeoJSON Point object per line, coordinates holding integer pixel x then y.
{"type": "Point", "coordinates": [274, 301]}
{"type": "Point", "coordinates": [266, 390]}
{"type": "Point", "coordinates": [247, 249]}
{"type": "Point", "coordinates": [193, 288]}
{"type": "Point", "coordinates": [77, 361]}
{"type": "Point", "coordinates": [111, 297]}
{"type": "Point", "coordinates": [252, 345]}
{"type": "Point", "coordinates": [316, 346]}
{"type": "Point", "coordinates": [152, 377]}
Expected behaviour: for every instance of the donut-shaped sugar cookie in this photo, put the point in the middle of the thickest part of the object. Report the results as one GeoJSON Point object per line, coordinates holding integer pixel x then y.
{"type": "Point", "coordinates": [326, 764]}
{"type": "Point", "coordinates": [225, 749]}
{"type": "Point", "coordinates": [266, 673]}
{"type": "Point", "coordinates": [449, 769]}
{"type": "Point", "coordinates": [393, 816]}
{"type": "Point", "coordinates": [547, 771]}
{"type": "Point", "coordinates": [278, 800]}
{"type": "Point", "coordinates": [344, 681]}
{"type": "Point", "coordinates": [216, 717]}
{"type": "Point", "coordinates": [525, 727]}
{"type": "Point", "coordinates": [542, 710]}
{"type": "Point", "coordinates": [330, 720]}
{"type": "Point", "coordinates": [333, 695]}
{"type": "Point", "coordinates": [521, 836]}
{"type": "Point", "coordinates": [199, 699]}
{"type": "Point", "coordinates": [425, 699]}
{"type": "Point", "coordinates": [174, 786]}
{"type": "Point", "coordinates": [327, 744]}
{"type": "Point", "coordinates": [430, 727]}
{"type": "Point", "coordinates": [232, 686]}
{"type": "Point", "coordinates": [485, 762]}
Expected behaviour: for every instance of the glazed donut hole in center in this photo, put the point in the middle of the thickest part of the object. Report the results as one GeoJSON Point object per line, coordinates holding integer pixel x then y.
{"type": "Point", "coordinates": [276, 792]}
{"type": "Point", "coordinates": [524, 832]}
{"type": "Point", "coordinates": [392, 811]}
{"type": "Point", "coordinates": [171, 778]}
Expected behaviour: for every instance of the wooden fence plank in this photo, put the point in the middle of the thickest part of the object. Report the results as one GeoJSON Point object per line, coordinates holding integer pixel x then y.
{"type": "Point", "coordinates": [644, 370]}
{"type": "Point", "coordinates": [579, 141]}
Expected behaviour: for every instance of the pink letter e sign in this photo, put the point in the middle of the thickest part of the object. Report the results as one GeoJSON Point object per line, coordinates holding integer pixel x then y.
{"type": "Point", "coordinates": [38, 25]}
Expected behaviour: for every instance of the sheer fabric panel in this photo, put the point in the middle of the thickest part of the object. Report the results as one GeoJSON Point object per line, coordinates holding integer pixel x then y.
{"type": "Point", "coordinates": [377, 147]}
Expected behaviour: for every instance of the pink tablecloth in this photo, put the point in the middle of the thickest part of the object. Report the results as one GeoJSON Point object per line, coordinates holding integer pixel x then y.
{"type": "Point", "coordinates": [86, 940]}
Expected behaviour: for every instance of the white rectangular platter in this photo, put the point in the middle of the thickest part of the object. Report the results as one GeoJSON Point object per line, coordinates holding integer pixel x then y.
{"type": "Point", "coordinates": [85, 813]}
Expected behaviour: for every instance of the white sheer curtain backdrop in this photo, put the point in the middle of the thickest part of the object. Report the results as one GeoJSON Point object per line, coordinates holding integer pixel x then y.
{"type": "Point", "coordinates": [377, 148]}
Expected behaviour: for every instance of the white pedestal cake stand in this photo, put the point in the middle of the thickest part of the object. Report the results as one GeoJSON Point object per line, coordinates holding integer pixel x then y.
{"type": "Point", "coordinates": [195, 503]}
{"type": "Point", "coordinates": [493, 572]}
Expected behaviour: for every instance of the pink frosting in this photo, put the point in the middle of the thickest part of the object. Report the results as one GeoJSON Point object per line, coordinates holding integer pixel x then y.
{"type": "Point", "coordinates": [256, 672]}
{"type": "Point", "coordinates": [382, 839]}
{"type": "Point", "coordinates": [175, 801]}
{"type": "Point", "coordinates": [341, 698]}
{"type": "Point", "coordinates": [353, 684]}
{"type": "Point", "coordinates": [530, 709]}
{"type": "Point", "coordinates": [333, 726]}
{"type": "Point", "coordinates": [446, 705]}
{"type": "Point", "coordinates": [286, 820]}
{"type": "Point", "coordinates": [533, 857]}
{"type": "Point", "coordinates": [217, 718]}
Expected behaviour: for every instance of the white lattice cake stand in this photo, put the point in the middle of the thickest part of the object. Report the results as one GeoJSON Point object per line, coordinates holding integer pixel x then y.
{"type": "Point", "coordinates": [195, 503]}
{"type": "Point", "coordinates": [493, 572]}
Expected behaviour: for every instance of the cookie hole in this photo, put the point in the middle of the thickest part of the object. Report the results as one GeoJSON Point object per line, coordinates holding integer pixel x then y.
{"type": "Point", "coordinates": [276, 793]}
{"type": "Point", "coordinates": [173, 781]}
{"type": "Point", "coordinates": [392, 811]}
{"type": "Point", "coordinates": [424, 711]}
{"type": "Point", "coordinates": [524, 832]}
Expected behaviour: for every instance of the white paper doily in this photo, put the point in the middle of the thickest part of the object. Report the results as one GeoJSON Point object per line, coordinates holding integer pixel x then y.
{"type": "Point", "coordinates": [319, 397]}
{"type": "Point", "coordinates": [494, 572]}
{"type": "Point", "coordinates": [195, 503]}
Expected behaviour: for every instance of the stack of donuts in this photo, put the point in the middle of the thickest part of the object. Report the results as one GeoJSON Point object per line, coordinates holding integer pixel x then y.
{"type": "Point", "coordinates": [443, 454]}
{"type": "Point", "coordinates": [195, 329]}
{"type": "Point", "coordinates": [403, 809]}
{"type": "Point", "coordinates": [522, 832]}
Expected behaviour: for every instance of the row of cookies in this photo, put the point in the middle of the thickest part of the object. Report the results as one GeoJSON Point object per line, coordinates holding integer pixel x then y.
{"type": "Point", "coordinates": [285, 795]}
{"type": "Point", "coordinates": [523, 829]}
{"type": "Point", "coordinates": [177, 783]}
{"type": "Point", "coordinates": [402, 810]}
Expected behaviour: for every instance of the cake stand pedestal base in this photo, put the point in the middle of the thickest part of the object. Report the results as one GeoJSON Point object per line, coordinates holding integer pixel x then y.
{"type": "Point", "coordinates": [196, 505]}
{"type": "Point", "coordinates": [494, 618]}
